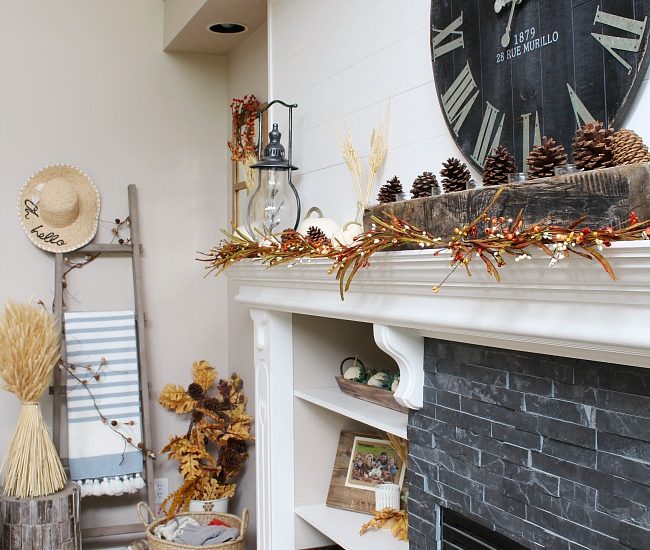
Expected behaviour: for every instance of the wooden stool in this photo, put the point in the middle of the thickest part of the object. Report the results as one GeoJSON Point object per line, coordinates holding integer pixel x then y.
{"type": "Point", "coordinates": [43, 523]}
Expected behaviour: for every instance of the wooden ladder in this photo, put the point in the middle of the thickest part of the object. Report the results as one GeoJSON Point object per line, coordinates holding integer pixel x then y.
{"type": "Point", "coordinates": [134, 250]}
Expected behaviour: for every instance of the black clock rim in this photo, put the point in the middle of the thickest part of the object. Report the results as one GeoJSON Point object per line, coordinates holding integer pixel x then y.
{"type": "Point", "coordinates": [624, 109]}
{"type": "Point", "coordinates": [621, 114]}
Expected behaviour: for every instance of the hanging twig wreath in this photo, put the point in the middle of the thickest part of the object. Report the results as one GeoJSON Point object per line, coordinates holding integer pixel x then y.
{"type": "Point", "coordinates": [492, 239]}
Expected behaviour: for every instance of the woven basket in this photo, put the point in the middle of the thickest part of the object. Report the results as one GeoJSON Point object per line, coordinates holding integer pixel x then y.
{"type": "Point", "coordinates": [203, 518]}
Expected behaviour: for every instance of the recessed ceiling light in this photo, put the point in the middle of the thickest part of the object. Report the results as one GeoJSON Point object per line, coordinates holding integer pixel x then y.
{"type": "Point", "coordinates": [227, 28]}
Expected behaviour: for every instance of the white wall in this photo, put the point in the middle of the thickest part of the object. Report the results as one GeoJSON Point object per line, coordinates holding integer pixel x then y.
{"type": "Point", "coordinates": [343, 62]}
{"type": "Point", "coordinates": [247, 75]}
{"type": "Point", "coordinates": [86, 82]}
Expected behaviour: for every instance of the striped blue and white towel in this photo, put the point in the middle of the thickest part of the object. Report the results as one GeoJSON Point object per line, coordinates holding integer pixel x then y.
{"type": "Point", "coordinates": [101, 349]}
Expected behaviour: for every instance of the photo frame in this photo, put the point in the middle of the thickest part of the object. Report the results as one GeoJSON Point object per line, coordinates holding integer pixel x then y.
{"type": "Point", "coordinates": [363, 461]}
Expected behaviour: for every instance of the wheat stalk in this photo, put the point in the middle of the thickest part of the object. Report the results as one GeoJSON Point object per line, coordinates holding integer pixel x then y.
{"type": "Point", "coordinates": [376, 157]}
{"type": "Point", "coordinates": [378, 150]}
{"type": "Point", "coordinates": [352, 161]}
{"type": "Point", "coordinates": [29, 350]}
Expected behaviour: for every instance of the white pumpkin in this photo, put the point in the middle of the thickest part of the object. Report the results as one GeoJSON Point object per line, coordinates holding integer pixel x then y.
{"type": "Point", "coordinates": [327, 226]}
{"type": "Point", "coordinates": [378, 379]}
{"type": "Point", "coordinates": [395, 384]}
{"type": "Point", "coordinates": [347, 234]}
{"type": "Point", "coordinates": [351, 373]}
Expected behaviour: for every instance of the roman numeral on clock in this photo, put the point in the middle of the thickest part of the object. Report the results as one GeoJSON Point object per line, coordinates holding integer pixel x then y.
{"type": "Point", "coordinates": [485, 143]}
{"type": "Point", "coordinates": [613, 43]}
{"type": "Point", "coordinates": [456, 101]}
{"type": "Point", "coordinates": [440, 49]}
{"type": "Point", "coordinates": [579, 110]}
{"type": "Point", "coordinates": [537, 136]}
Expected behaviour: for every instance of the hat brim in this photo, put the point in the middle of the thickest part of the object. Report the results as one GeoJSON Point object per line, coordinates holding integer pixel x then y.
{"type": "Point", "coordinates": [59, 239]}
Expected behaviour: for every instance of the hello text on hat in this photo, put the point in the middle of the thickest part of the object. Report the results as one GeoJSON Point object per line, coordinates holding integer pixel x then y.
{"type": "Point", "coordinates": [58, 208]}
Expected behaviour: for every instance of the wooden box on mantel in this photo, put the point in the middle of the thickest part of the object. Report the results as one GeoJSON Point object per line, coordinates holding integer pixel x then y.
{"type": "Point", "coordinates": [606, 197]}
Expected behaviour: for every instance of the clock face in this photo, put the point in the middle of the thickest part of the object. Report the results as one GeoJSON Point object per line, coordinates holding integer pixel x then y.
{"type": "Point", "coordinates": [508, 72]}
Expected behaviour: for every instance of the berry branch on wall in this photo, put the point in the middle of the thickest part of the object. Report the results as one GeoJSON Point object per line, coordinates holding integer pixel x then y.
{"type": "Point", "coordinates": [244, 114]}
{"type": "Point", "coordinates": [491, 239]}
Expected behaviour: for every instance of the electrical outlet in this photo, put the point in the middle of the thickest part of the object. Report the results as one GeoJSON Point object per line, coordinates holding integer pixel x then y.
{"type": "Point", "coordinates": [160, 489]}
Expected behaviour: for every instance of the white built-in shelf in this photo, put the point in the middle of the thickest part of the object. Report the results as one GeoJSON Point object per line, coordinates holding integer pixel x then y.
{"type": "Point", "coordinates": [379, 417]}
{"type": "Point", "coordinates": [343, 528]}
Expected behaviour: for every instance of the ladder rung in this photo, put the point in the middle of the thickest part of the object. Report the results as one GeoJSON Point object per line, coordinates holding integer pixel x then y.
{"type": "Point", "coordinates": [105, 248]}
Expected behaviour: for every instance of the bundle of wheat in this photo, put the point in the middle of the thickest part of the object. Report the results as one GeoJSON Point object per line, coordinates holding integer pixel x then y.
{"type": "Point", "coordinates": [29, 350]}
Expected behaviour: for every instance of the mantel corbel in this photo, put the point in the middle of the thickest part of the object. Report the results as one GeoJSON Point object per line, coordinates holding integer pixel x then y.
{"type": "Point", "coordinates": [407, 348]}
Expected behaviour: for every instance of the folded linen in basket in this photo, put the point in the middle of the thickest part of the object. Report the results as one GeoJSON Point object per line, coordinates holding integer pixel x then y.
{"type": "Point", "coordinates": [174, 527]}
{"type": "Point", "coordinates": [205, 535]}
{"type": "Point", "coordinates": [101, 353]}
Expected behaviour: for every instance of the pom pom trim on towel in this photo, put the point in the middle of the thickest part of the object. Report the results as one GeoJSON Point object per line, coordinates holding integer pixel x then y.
{"type": "Point", "coordinates": [111, 486]}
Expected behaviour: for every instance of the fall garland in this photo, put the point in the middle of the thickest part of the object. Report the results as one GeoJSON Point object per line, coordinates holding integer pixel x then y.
{"type": "Point", "coordinates": [499, 239]}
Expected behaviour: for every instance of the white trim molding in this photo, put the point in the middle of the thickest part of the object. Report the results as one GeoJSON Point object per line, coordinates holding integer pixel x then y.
{"type": "Point", "coordinates": [573, 309]}
{"type": "Point", "coordinates": [272, 333]}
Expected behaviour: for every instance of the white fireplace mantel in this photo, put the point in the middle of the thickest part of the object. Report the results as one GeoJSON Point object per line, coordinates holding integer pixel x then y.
{"type": "Point", "coordinates": [573, 309]}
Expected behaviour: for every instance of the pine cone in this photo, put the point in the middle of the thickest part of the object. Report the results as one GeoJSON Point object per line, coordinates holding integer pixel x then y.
{"type": "Point", "coordinates": [544, 158]}
{"type": "Point", "coordinates": [214, 405]}
{"type": "Point", "coordinates": [195, 391]}
{"type": "Point", "coordinates": [316, 237]}
{"type": "Point", "coordinates": [197, 416]}
{"type": "Point", "coordinates": [592, 146]}
{"type": "Point", "coordinates": [628, 148]}
{"type": "Point", "coordinates": [455, 175]}
{"type": "Point", "coordinates": [425, 185]}
{"type": "Point", "coordinates": [497, 167]}
{"type": "Point", "coordinates": [389, 191]}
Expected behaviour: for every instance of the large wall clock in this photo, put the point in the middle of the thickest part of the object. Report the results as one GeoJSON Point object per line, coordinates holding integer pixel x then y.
{"type": "Point", "coordinates": [510, 71]}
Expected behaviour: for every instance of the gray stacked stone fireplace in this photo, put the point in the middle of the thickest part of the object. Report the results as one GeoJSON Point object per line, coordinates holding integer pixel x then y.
{"type": "Point", "coordinates": [553, 453]}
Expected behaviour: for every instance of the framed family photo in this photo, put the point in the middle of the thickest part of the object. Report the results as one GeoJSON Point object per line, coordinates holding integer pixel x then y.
{"type": "Point", "coordinates": [363, 461]}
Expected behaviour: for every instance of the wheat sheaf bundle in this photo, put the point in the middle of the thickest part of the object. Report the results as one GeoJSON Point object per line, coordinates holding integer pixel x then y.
{"type": "Point", "coordinates": [29, 350]}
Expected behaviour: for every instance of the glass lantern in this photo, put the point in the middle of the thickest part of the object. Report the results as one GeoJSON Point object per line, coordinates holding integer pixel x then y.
{"type": "Point", "coordinates": [274, 205]}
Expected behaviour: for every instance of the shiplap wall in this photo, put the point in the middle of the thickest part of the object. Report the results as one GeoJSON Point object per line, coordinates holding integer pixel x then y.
{"type": "Point", "coordinates": [345, 62]}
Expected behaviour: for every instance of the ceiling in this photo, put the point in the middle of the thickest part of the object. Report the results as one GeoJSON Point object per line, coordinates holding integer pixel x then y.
{"type": "Point", "coordinates": [188, 31]}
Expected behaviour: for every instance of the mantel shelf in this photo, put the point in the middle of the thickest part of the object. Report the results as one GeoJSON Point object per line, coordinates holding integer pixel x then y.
{"type": "Point", "coordinates": [343, 528]}
{"type": "Point", "coordinates": [573, 309]}
{"type": "Point", "coordinates": [373, 415]}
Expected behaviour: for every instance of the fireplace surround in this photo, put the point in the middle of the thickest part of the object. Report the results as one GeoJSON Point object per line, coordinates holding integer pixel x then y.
{"type": "Point", "coordinates": [549, 451]}
{"type": "Point", "coordinates": [548, 328]}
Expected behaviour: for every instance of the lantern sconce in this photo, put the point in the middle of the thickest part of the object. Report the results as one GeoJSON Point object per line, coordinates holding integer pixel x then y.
{"type": "Point", "coordinates": [275, 204]}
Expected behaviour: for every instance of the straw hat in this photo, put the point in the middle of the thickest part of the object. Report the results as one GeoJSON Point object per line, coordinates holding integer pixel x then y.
{"type": "Point", "coordinates": [58, 208]}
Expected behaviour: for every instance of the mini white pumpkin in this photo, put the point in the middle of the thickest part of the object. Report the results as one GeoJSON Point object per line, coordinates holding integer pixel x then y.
{"type": "Point", "coordinates": [395, 384]}
{"type": "Point", "coordinates": [352, 373]}
{"type": "Point", "coordinates": [347, 234]}
{"type": "Point", "coordinates": [327, 226]}
{"type": "Point", "coordinates": [378, 379]}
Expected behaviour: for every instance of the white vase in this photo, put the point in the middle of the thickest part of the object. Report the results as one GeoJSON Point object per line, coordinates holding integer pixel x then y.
{"type": "Point", "coordinates": [219, 506]}
{"type": "Point", "coordinates": [387, 496]}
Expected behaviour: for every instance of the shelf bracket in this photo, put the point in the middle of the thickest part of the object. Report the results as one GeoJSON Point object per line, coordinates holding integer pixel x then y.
{"type": "Point", "coordinates": [407, 348]}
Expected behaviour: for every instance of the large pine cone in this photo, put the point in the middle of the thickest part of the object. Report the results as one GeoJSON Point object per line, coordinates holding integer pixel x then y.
{"type": "Point", "coordinates": [544, 158]}
{"type": "Point", "coordinates": [389, 191]}
{"type": "Point", "coordinates": [195, 391]}
{"type": "Point", "coordinates": [497, 167]}
{"type": "Point", "coordinates": [629, 148]}
{"type": "Point", "coordinates": [425, 185]}
{"type": "Point", "coordinates": [592, 146]}
{"type": "Point", "coordinates": [316, 237]}
{"type": "Point", "coordinates": [455, 175]}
